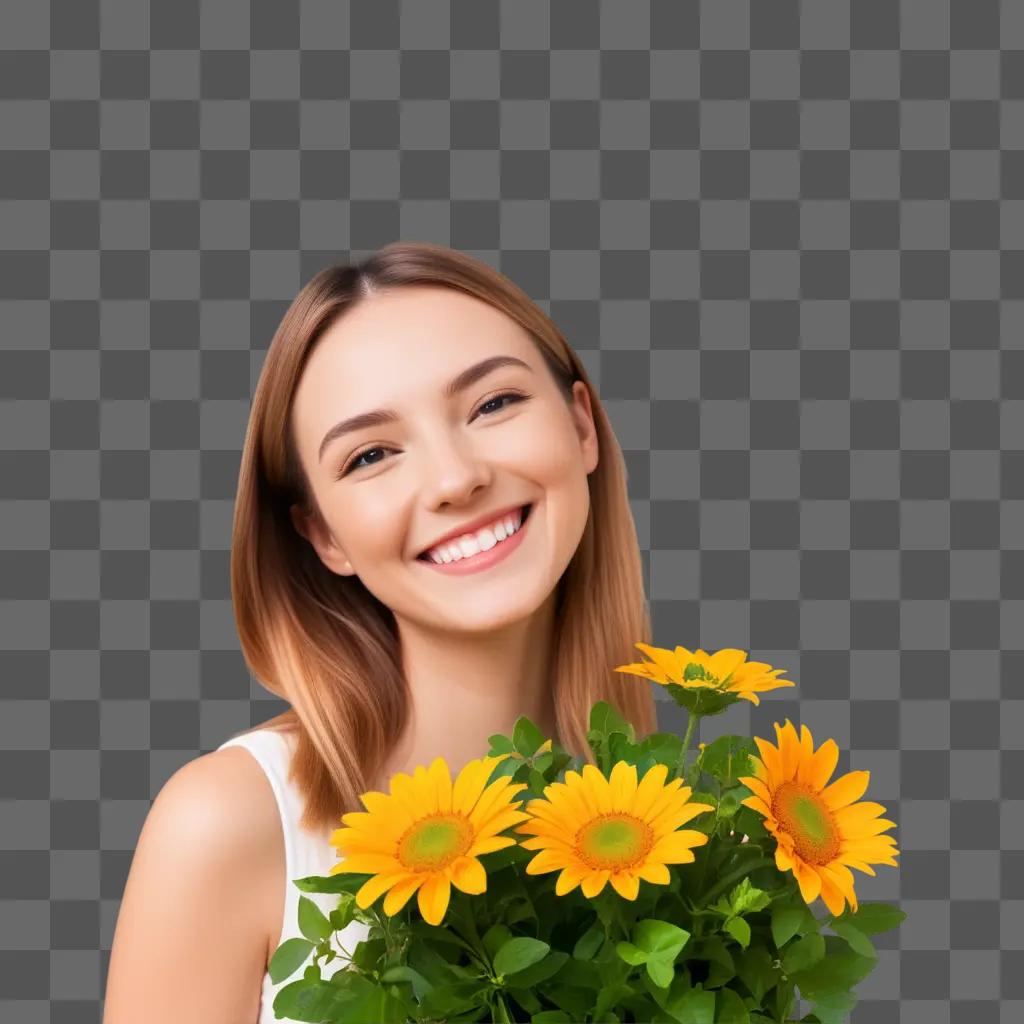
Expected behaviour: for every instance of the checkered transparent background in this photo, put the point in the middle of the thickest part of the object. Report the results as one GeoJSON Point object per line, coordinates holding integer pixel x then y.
{"type": "Point", "coordinates": [786, 239]}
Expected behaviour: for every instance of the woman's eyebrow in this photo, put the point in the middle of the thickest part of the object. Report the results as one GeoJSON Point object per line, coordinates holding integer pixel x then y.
{"type": "Point", "coordinates": [464, 379]}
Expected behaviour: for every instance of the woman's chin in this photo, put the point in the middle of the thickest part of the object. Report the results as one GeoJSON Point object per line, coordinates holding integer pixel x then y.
{"type": "Point", "coordinates": [482, 612]}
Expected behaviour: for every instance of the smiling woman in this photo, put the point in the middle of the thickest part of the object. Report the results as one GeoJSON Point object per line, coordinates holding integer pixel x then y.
{"type": "Point", "coordinates": [432, 536]}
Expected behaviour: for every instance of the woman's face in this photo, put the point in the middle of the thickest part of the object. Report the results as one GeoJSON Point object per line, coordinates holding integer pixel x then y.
{"type": "Point", "coordinates": [389, 490]}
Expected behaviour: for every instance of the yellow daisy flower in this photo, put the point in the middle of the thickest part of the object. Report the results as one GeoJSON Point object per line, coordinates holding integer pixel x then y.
{"type": "Point", "coordinates": [822, 830]}
{"type": "Point", "coordinates": [726, 671]}
{"type": "Point", "coordinates": [596, 829]}
{"type": "Point", "coordinates": [427, 835]}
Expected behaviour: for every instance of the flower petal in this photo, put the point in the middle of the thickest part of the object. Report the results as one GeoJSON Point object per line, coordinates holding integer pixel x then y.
{"type": "Point", "coordinates": [649, 789]}
{"type": "Point", "coordinates": [626, 884]}
{"type": "Point", "coordinates": [808, 879]}
{"type": "Point", "coordinates": [547, 860]}
{"type": "Point", "coordinates": [373, 887]}
{"type": "Point", "coordinates": [623, 785]}
{"type": "Point", "coordinates": [726, 661]}
{"type": "Point", "coordinates": [470, 783]}
{"type": "Point", "coordinates": [655, 873]}
{"type": "Point", "coordinates": [817, 773]}
{"type": "Point", "coordinates": [597, 786]}
{"type": "Point", "coordinates": [400, 893]}
{"type": "Point", "coordinates": [846, 789]}
{"type": "Point", "coordinates": [434, 896]}
{"type": "Point", "coordinates": [772, 759]}
{"type": "Point", "coordinates": [594, 882]}
{"type": "Point", "coordinates": [468, 874]}
{"type": "Point", "coordinates": [570, 878]}
{"type": "Point", "coordinates": [441, 784]}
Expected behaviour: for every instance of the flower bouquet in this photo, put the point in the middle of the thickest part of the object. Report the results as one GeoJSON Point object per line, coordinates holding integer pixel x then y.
{"type": "Point", "coordinates": [683, 890]}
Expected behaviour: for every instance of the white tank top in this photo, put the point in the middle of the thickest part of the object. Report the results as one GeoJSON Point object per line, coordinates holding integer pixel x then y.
{"type": "Point", "coordinates": [305, 855]}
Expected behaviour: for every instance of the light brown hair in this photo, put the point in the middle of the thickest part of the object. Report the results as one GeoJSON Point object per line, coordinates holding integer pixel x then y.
{"type": "Point", "coordinates": [326, 644]}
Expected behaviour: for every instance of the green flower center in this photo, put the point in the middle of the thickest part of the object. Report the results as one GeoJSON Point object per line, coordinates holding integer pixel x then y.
{"type": "Point", "coordinates": [434, 842]}
{"type": "Point", "coordinates": [695, 672]}
{"type": "Point", "coordinates": [808, 820]}
{"type": "Point", "coordinates": [614, 841]}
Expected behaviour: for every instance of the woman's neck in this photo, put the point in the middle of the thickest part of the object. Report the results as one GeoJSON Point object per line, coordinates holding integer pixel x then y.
{"type": "Point", "coordinates": [465, 690]}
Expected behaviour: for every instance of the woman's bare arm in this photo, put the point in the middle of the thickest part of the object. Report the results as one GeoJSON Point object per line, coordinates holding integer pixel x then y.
{"type": "Point", "coordinates": [191, 936]}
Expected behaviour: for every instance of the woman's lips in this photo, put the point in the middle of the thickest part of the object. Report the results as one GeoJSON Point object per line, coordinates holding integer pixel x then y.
{"type": "Point", "coordinates": [484, 559]}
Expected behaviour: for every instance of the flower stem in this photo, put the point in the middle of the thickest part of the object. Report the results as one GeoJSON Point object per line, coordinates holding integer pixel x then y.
{"type": "Point", "coordinates": [471, 936]}
{"type": "Point", "coordinates": [691, 723]}
{"type": "Point", "coordinates": [735, 876]}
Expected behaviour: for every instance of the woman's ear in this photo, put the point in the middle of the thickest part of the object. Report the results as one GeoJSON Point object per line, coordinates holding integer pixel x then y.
{"type": "Point", "coordinates": [583, 417]}
{"type": "Point", "coordinates": [310, 526]}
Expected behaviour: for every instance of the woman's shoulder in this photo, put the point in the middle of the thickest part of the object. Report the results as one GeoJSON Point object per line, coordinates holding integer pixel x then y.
{"type": "Point", "coordinates": [211, 838]}
{"type": "Point", "coordinates": [224, 793]}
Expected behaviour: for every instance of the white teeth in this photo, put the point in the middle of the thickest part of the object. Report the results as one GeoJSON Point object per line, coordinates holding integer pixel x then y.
{"type": "Point", "coordinates": [470, 544]}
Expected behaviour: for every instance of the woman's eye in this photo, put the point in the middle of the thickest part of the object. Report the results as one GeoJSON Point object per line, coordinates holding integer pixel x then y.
{"type": "Point", "coordinates": [354, 462]}
{"type": "Point", "coordinates": [511, 395]}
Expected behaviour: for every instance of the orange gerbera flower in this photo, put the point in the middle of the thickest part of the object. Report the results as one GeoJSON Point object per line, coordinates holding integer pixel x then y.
{"type": "Point", "coordinates": [726, 672]}
{"type": "Point", "coordinates": [822, 831]}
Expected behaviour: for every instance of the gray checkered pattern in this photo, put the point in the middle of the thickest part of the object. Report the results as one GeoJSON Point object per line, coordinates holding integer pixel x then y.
{"type": "Point", "coordinates": [788, 242]}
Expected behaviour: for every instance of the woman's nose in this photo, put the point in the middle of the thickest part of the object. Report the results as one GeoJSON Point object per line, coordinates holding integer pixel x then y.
{"type": "Point", "coordinates": [454, 469]}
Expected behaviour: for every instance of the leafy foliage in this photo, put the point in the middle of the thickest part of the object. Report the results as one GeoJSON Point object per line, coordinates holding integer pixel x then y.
{"type": "Point", "coordinates": [728, 939]}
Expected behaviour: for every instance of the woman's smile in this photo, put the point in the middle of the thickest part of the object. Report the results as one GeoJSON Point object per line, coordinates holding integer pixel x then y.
{"type": "Point", "coordinates": [483, 559]}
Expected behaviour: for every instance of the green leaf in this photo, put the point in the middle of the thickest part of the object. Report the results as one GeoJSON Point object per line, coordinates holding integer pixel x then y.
{"type": "Point", "coordinates": [525, 998]}
{"type": "Point", "coordinates": [609, 996]}
{"type": "Point", "coordinates": [658, 748]}
{"type": "Point", "coordinates": [518, 953]}
{"type": "Point", "coordinates": [574, 999]}
{"type": "Point", "coordinates": [526, 737]}
{"type": "Point", "coordinates": [835, 1007]}
{"type": "Point", "coordinates": [605, 719]}
{"type": "Point", "coordinates": [537, 781]}
{"type": "Point", "coordinates": [551, 1017]}
{"type": "Point", "coordinates": [858, 941]}
{"type": "Point", "coordinates": [306, 1001]}
{"type": "Point", "coordinates": [346, 881]}
{"type": "Point", "coordinates": [787, 921]}
{"type": "Point", "coordinates": [540, 971]}
{"type": "Point", "coordinates": [287, 958]}
{"type": "Point", "coordinates": [660, 968]}
{"type": "Point", "coordinates": [499, 745]}
{"type": "Point", "coordinates": [745, 898]}
{"type": "Point", "coordinates": [403, 972]}
{"type": "Point", "coordinates": [840, 970]}
{"type": "Point", "coordinates": [739, 930]}
{"type": "Point", "coordinates": [630, 953]}
{"type": "Point", "coordinates": [707, 820]}
{"type": "Point", "coordinates": [495, 937]}
{"type": "Point", "coordinates": [343, 915]}
{"type": "Point", "coordinates": [872, 918]}
{"type": "Point", "coordinates": [659, 937]}
{"type": "Point", "coordinates": [732, 800]}
{"type": "Point", "coordinates": [730, 1009]}
{"type": "Point", "coordinates": [721, 966]}
{"type": "Point", "coordinates": [755, 969]}
{"type": "Point", "coordinates": [589, 943]}
{"type": "Point", "coordinates": [312, 921]}
{"type": "Point", "coordinates": [804, 953]}
{"type": "Point", "coordinates": [694, 1007]}
{"type": "Point", "coordinates": [444, 1000]}
{"type": "Point", "coordinates": [347, 996]}
{"type": "Point", "coordinates": [728, 757]}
